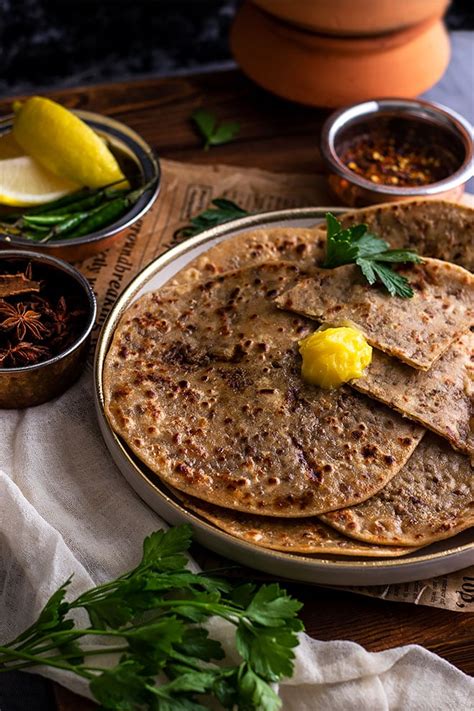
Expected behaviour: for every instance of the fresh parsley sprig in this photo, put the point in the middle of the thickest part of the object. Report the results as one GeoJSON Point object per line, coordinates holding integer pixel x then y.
{"type": "Point", "coordinates": [355, 245]}
{"type": "Point", "coordinates": [213, 132]}
{"type": "Point", "coordinates": [153, 616]}
{"type": "Point", "coordinates": [222, 211]}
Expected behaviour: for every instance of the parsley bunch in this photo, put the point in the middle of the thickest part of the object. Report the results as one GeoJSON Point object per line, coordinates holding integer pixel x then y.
{"type": "Point", "coordinates": [355, 245]}
{"type": "Point", "coordinates": [153, 616]}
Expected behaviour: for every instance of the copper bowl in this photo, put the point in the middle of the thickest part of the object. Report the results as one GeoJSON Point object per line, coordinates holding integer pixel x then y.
{"type": "Point", "coordinates": [34, 384]}
{"type": "Point", "coordinates": [139, 164]}
{"type": "Point", "coordinates": [353, 189]}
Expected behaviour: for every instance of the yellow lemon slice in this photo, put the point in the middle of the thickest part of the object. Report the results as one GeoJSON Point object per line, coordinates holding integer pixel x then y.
{"type": "Point", "coordinates": [24, 182]}
{"type": "Point", "coordinates": [64, 144]}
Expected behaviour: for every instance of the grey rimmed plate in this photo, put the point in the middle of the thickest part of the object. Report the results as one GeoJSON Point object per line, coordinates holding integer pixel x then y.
{"type": "Point", "coordinates": [440, 558]}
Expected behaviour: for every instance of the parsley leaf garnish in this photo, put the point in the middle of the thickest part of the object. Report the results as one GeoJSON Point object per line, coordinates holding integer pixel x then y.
{"type": "Point", "coordinates": [153, 616]}
{"type": "Point", "coordinates": [222, 211]}
{"type": "Point", "coordinates": [355, 245]}
{"type": "Point", "coordinates": [214, 133]}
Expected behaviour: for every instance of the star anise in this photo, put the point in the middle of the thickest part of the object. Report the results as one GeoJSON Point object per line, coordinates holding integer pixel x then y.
{"type": "Point", "coordinates": [21, 354]}
{"type": "Point", "coordinates": [61, 316]}
{"type": "Point", "coordinates": [23, 320]}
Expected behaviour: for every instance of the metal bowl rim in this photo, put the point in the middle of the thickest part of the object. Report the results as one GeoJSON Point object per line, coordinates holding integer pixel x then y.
{"type": "Point", "coordinates": [118, 225]}
{"type": "Point", "coordinates": [453, 121]}
{"type": "Point", "coordinates": [80, 279]}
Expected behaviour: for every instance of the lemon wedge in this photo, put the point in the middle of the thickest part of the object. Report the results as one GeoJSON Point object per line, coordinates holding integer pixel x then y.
{"type": "Point", "coordinates": [24, 182]}
{"type": "Point", "coordinates": [64, 144]}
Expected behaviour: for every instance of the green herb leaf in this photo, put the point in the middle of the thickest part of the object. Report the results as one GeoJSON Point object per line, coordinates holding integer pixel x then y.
{"type": "Point", "coordinates": [224, 133]}
{"type": "Point", "coordinates": [243, 594]}
{"type": "Point", "coordinates": [223, 211]}
{"type": "Point", "coordinates": [165, 549]}
{"type": "Point", "coordinates": [150, 615]}
{"type": "Point", "coordinates": [205, 122]}
{"type": "Point", "coordinates": [111, 612]}
{"type": "Point", "coordinates": [122, 688]}
{"type": "Point", "coordinates": [273, 607]}
{"type": "Point", "coordinates": [397, 255]}
{"type": "Point", "coordinates": [396, 284]}
{"type": "Point", "coordinates": [354, 245]}
{"type": "Point", "coordinates": [368, 244]}
{"type": "Point", "coordinates": [214, 133]}
{"type": "Point", "coordinates": [256, 693]}
{"type": "Point", "coordinates": [195, 642]}
{"type": "Point", "coordinates": [268, 650]}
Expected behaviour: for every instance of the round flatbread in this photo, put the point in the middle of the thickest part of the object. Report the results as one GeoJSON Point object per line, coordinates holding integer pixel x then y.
{"type": "Point", "coordinates": [430, 499]}
{"type": "Point", "coordinates": [303, 535]}
{"type": "Point", "coordinates": [204, 386]}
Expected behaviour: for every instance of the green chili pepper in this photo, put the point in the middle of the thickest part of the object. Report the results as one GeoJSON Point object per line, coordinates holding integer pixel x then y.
{"type": "Point", "coordinates": [112, 193]}
{"type": "Point", "coordinates": [101, 217]}
{"type": "Point", "coordinates": [43, 219]}
{"type": "Point", "coordinates": [37, 228]}
{"type": "Point", "coordinates": [67, 225]}
{"type": "Point", "coordinates": [60, 202]}
{"type": "Point", "coordinates": [85, 203]}
{"type": "Point", "coordinates": [108, 213]}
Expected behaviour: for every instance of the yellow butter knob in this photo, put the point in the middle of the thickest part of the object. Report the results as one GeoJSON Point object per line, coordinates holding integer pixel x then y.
{"type": "Point", "coordinates": [334, 356]}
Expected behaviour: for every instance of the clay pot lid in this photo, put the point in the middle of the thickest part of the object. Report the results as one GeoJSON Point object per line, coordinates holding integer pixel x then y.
{"type": "Point", "coordinates": [314, 40]}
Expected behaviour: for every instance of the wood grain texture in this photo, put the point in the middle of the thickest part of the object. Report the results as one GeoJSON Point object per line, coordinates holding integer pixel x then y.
{"type": "Point", "coordinates": [274, 134]}
{"type": "Point", "coordinates": [279, 136]}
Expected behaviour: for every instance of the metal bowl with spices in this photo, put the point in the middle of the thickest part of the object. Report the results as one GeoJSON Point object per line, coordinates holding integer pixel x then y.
{"type": "Point", "coordinates": [395, 149]}
{"type": "Point", "coordinates": [140, 166]}
{"type": "Point", "coordinates": [47, 312]}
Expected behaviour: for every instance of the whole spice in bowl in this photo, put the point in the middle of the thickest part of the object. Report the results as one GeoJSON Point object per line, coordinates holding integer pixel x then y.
{"type": "Point", "coordinates": [47, 311]}
{"type": "Point", "coordinates": [391, 149]}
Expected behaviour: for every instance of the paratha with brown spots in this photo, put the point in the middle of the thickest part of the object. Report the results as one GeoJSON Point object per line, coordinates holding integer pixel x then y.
{"type": "Point", "coordinates": [430, 499]}
{"type": "Point", "coordinates": [441, 399]}
{"type": "Point", "coordinates": [416, 331]}
{"type": "Point", "coordinates": [301, 535]}
{"type": "Point", "coordinates": [205, 388]}
{"type": "Point", "coordinates": [434, 228]}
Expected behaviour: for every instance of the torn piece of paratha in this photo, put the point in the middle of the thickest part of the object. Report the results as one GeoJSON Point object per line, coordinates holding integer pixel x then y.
{"type": "Point", "coordinates": [416, 331]}
{"type": "Point", "coordinates": [430, 499]}
{"type": "Point", "coordinates": [434, 228]}
{"type": "Point", "coordinates": [441, 399]}
{"type": "Point", "coordinates": [205, 387]}
{"type": "Point", "coordinates": [303, 535]}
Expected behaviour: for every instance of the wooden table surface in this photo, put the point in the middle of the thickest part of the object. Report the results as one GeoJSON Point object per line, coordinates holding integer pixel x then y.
{"type": "Point", "coordinates": [279, 136]}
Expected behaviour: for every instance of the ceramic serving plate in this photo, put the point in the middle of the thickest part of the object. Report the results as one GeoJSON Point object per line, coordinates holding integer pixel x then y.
{"type": "Point", "coordinates": [442, 557]}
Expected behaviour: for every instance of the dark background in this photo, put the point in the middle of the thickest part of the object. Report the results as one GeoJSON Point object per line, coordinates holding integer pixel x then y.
{"type": "Point", "coordinates": [46, 44]}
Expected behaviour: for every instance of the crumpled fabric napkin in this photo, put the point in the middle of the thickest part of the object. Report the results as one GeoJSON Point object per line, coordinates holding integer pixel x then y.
{"type": "Point", "coordinates": [65, 508]}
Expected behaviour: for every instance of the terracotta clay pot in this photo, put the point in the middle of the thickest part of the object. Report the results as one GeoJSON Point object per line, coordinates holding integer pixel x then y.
{"type": "Point", "coordinates": [320, 70]}
{"type": "Point", "coordinates": [354, 17]}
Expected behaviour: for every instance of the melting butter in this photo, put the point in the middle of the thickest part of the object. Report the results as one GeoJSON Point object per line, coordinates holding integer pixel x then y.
{"type": "Point", "coordinates": [333, 356]}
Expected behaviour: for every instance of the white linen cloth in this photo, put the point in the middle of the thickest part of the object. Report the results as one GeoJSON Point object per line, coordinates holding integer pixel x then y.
{"type": "Point", "coordinates": [65, 508]}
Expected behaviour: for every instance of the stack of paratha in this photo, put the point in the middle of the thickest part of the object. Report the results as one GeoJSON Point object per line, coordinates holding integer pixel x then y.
{"type": "Point", "coordinates": [203, 383]}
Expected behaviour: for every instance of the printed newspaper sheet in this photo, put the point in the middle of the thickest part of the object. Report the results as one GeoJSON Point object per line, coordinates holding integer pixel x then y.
{"type": "Point", "coordinates": [187, 190]}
